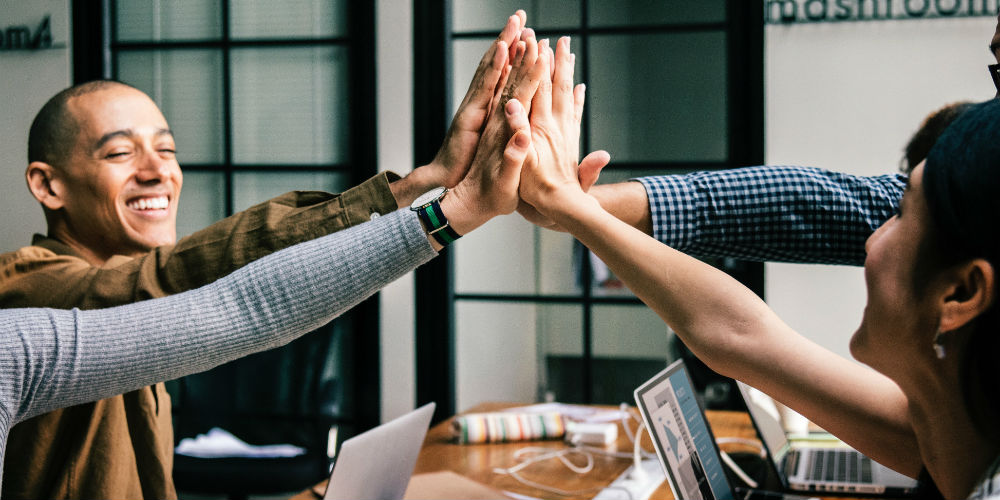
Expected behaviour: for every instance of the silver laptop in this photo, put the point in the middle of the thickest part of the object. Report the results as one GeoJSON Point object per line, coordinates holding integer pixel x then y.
{"type": "Point", "coordinates": [684, 442]}
{"type": "Point", "coordinates": [378, 464]}
{"type": "Point", "coordinates": [835, 469]}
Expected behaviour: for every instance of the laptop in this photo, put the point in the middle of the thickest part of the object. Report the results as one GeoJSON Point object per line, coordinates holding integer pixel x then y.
{"type": "Point", "coordinates": [835, 468]}
{"type": "Point", "coordinates": [377, 464]}
{"type": "Point", "coordinates": [684, 442]}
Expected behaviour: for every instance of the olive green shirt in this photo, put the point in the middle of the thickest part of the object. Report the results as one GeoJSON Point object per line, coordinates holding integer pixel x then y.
{"type": "Point", "coordinates": [122, 447]}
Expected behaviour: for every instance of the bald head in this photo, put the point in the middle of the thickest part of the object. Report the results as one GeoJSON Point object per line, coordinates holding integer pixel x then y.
{"type": "Point", "coordinates": [54, 130]}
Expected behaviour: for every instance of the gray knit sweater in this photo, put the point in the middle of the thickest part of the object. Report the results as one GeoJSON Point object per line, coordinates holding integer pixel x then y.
{"type": "Point", "coordinates": [55, 358]}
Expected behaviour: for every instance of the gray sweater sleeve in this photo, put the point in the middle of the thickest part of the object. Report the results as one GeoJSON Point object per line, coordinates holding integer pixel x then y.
{"type": "Point", "coordinates": [53, 358]}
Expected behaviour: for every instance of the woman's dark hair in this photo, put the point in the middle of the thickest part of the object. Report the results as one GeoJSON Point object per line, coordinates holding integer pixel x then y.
{"type": "Point", "coordinates": [962, 187]}
{"type": "Point", "coordinates": [924, 138]}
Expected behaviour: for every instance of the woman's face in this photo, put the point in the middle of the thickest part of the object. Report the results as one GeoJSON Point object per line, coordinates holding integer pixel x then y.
{"type": "Point", "coordinates": [898, 324]}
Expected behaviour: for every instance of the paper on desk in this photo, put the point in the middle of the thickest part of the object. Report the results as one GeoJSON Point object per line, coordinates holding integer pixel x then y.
{"type": "Point", "coordinates": [219, 443]}
{"type": "Point", "coordinates": [580, 413]}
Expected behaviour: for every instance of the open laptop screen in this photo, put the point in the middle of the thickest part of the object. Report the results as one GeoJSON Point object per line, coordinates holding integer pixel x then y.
{"type": "Point", "coordinates": [768, 426]}
{"type": "Point", "coordinates": [681, 435]}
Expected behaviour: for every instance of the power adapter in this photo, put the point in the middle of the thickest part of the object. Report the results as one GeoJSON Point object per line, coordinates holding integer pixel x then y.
{"type": "Point", "coordinates": [594, 434]}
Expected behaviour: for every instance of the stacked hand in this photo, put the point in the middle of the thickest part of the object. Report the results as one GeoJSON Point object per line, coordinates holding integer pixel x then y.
{"type": "Point", "coordinates": [491, 136]}
{"type": "Point", "coordinates": [550, 171]}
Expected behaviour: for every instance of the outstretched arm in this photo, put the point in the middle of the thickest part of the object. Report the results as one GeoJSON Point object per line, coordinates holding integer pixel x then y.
{"type": "Point", "coordinates": [724, 323]}
{"type": "Point", "coordinates": [764, 213]}
{"type": "Point", "coordinates": [57, 358]}
{"type": "Point", "coordinates": [51, 359]}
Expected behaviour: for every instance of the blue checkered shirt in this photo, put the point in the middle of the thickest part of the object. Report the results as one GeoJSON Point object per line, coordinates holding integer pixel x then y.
{"type": "Point", "coordinates": [782, 214]}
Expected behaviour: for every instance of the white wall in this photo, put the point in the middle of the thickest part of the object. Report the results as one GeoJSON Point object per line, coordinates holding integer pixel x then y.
{"type": "Point", "coordinates": [846, 97]}
{"type": "Point", "coordinates": [394, 79]}
{"type": "Point", "coordinates": [28, 79]}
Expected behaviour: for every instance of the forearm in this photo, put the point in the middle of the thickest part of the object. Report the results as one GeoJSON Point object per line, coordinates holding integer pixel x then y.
{"type": "Point", "coordinates": [627, 201]}
{"type": "Point", "coordinates": [65, 281]}
{"type": "Point", "coordinates": [785, 214]}
{"type": "Point", "coordinates": [268, 303]}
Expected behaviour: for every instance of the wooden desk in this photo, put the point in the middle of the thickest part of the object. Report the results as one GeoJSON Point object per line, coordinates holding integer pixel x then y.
{"type": "Point", "coordinates": [477, 461]}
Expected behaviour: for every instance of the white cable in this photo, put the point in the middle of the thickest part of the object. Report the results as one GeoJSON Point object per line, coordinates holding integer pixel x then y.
{"type": "Point", "coordinates": [753, 443]}
{"type": "Point", "coordinates": [538, 454]}
{"type": "Point", "coordinates": [638, 472]}
{"type": "Point", "coordinates": [736, 468]}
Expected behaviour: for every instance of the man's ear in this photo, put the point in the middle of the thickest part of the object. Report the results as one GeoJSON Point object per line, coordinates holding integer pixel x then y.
{"type": "Point", "coordinates": [44, 184]}
{"type": "Point", "coordinates": [969, 293]}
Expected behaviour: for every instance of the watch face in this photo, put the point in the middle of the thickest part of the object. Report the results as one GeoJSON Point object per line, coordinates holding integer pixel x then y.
{"type": "Point", "coordinates": [428, 197]}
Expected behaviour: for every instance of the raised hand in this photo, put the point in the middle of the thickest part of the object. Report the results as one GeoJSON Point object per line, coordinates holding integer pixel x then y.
{"type": "Point", "coordinates": [551, 166]}
{"type": "Point", "coordinates": [490, 187]}
{"type": "Point", "coordinates": [455, 156]}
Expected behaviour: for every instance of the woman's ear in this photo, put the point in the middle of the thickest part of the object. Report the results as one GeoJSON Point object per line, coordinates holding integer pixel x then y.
{"type": "Point", "coordinates": [969, 292]}
{"type": "Point", "coordinates": [44, 184]}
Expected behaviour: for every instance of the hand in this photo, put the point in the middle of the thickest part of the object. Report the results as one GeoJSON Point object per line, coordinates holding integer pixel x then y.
{"type": "Point", "coordinates": [453, 159]}
{"type": "Point", "coordinates": [551, 166]}
{"type": "Point", "coordinates": [590, 169]}
{"type": "Point", "coordinates": [490, 187]}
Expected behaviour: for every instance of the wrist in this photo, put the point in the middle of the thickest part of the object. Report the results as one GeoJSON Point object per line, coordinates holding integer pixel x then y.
{"type": "Point", "coordinates": [463, 216]}
{"type": "Point", "coordinates": [408, 188]}
{"type": "Point", "coordinates": [628, 202]}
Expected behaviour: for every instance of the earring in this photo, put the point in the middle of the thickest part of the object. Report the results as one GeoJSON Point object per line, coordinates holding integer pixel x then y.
{"type": "Point", "coordinates": [939, 339]}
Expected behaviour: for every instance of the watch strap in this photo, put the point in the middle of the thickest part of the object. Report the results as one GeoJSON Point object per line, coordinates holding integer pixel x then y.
{"type": "Point", "coordinates": [437, 224]}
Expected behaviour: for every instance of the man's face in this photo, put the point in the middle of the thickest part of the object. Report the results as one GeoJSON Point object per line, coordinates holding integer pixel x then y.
{"type": "Point", "coordinates": [122, 180]}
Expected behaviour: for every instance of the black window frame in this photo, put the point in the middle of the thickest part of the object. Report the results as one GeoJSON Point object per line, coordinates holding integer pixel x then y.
{"type": "Point", "coordinates": [95, 51]}
{"type": "Point", "coordinates": [436, 296]}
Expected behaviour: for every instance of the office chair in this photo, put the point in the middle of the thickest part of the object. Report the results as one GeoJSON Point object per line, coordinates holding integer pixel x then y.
{"type": "Point", "coordinates": [293, 395]}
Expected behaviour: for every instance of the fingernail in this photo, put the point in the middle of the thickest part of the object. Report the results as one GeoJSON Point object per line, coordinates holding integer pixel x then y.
{"type": "Point", "coordinates": [513, 107]}
{"type": "Point", "coordinates": [521, 140]}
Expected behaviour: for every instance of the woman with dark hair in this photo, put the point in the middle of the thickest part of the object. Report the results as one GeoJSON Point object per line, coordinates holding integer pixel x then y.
{"type": "Point", "coordinates": [929, 329]}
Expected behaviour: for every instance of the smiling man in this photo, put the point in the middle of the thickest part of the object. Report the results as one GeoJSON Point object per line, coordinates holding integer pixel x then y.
{"type": "Point", "coordinates": [102, 163]}
{"type": "Point", "coordinates": [115, 192]}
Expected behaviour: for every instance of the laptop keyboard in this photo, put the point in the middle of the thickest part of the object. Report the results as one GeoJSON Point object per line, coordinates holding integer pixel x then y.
{"type": "Point", "coordinates": [836, 465]}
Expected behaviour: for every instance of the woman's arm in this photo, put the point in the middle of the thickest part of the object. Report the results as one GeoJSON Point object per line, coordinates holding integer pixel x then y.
{"type": "Point", "coordinates": [51, 359]}
{"type": "Point", "coordinates": [56, 358]}
{"type": "Point", "coordinates": [723, 323]}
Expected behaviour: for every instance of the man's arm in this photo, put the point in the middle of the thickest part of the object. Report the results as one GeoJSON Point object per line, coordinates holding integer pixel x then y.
{"type": "Point", "coordinates": [784, 214]}
{"type": "Point", "coordinates": [95, 354]}
{"type": "Point", "coordinates": [35, 277]}
{"type": "Point", "coordinates": [270, 226]}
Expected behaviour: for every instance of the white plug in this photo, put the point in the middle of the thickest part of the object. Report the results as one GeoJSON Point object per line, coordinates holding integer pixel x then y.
{"type": "Point", "coordinates": [594, 434]}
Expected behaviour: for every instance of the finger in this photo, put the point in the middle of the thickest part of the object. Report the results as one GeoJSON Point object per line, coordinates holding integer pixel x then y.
{"type": "Point", "coordinates": [517, 117]}
{"type": "Point", "coordinates": [590, 168]}
{"type": "Point", "coordinates": [579, 96]}
{"type": "Point", "coordinates": [541, 104]}
{"type": "Point", "coordinates": [500, 85]}
{"type": "Point", "coordinates": [479, 96]}
{"type": "Point", "coordinates": [510, 167]}
{"type": "Point", "coordinates": [530, 46]}
{"type": "Point", "coordinates": [512, 30]}
{"type": "Point", "coordinates": [562, 79]}
{"type": "Point", "coordinates": [522, 81]}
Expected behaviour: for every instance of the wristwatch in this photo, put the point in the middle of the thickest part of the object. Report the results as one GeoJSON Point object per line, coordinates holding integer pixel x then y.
{"type": "Point", "coordinates": [428, 208]}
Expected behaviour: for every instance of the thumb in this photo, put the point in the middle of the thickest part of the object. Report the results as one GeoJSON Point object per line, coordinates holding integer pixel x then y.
{"type": "Point", "coordinates": [590, 168]}
{"type": "Point", "coordinates": [517, 117]}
